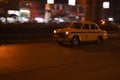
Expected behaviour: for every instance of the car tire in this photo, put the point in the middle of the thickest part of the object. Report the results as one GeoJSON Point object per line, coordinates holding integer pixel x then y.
{"type": "Point", "coordinates": [99, 40]}
{"type": "Point", "coordinates": [75, 41]}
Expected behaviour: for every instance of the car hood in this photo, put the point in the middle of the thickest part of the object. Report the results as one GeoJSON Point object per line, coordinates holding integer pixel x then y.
{"type": "Point", "coordinates": [63, 30]}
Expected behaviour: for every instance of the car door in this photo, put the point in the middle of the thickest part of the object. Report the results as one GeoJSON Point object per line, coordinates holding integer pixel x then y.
{"type": "Point", "coordinates": [93, 32]}
{"type": "Point", "coordinates": [85, 32]}
{"type": "Point", "coordinates": [76, 28]}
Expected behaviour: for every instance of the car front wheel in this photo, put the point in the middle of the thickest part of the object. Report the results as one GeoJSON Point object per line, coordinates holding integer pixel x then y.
{"type": "Point", "coordinates": [75, 41]}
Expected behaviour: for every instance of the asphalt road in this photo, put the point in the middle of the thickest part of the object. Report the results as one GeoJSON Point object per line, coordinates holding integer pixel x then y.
{"type": "Point", "coordinates": [46, 60]}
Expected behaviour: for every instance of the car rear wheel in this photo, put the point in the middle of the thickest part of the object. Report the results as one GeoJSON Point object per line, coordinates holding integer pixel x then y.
{"type": "Point", "coordinates": [99, 40]}
{"type": "Point", "coordinates": [75, 41]}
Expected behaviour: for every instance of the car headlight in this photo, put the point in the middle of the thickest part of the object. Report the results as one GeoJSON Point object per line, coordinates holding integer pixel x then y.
{"type": "Point", "coordinates": [55, 31]}
{"type": "Point", "coordinates": [67, 33]}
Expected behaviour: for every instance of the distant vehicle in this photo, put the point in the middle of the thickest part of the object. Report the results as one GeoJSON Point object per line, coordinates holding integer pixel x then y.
{"type": "Point", "coordinates": [77, 32]}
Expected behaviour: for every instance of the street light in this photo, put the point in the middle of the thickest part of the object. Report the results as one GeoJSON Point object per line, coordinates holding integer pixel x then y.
{"type": "Point", "coordinates": [106, 5]}
{"type": "Point", "coordinates": [50, 1]}
{"type": "Point", "coordinates": [72, 2]}
{"type": "Point", "coordinates": [106, 11]}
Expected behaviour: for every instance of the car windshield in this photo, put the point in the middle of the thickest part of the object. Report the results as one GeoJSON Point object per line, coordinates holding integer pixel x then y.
{"type": "Point", "coordinates": [68, 24]}
{"type": "Point", "coordinates": [76, 25]}
{"type": "Point", "coordinates": [64, 25]}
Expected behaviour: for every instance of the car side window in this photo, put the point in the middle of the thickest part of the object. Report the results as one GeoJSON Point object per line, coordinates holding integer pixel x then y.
{"type": "Point", "coordinates": [93, 27]}
{"type": "Point", "coordinates": [77, 25]}
{"type": "Point", "coordinates": [86, 26]}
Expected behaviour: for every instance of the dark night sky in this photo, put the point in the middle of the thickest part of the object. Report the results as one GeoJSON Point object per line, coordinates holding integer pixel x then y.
{"type": "Point", "coordinates": [115, 5]}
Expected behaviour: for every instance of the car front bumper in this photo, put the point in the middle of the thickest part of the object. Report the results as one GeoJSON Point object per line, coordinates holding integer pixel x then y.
{"type": "Point", "coordinates": [62, 39]}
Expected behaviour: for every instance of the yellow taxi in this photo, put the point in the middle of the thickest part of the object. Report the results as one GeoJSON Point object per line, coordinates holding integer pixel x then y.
{"type": "Point", "coordinates": [77, 32]}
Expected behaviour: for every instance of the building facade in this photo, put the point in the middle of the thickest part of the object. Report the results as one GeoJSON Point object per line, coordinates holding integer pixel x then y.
{"type": "Point", "coordinates": [29, 10]}
{"type": "Point", "coordinates": [90, 10]}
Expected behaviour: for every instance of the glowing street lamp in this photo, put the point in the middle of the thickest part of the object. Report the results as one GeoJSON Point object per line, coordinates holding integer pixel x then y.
{"type": "Point", "coordinates": [50, 1]}
{"type": "Point", "coordinates": [106, 5]}
{"type": "Point", "coordinates": [72, 2]}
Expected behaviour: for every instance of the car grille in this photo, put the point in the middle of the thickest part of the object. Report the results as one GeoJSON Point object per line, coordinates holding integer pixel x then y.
{"type": "Point", "coordinates": [61, 35]}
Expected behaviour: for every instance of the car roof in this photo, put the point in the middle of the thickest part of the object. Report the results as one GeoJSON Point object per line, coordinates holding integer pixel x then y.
{"type": "Point", "coordinates": [84, 22]}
